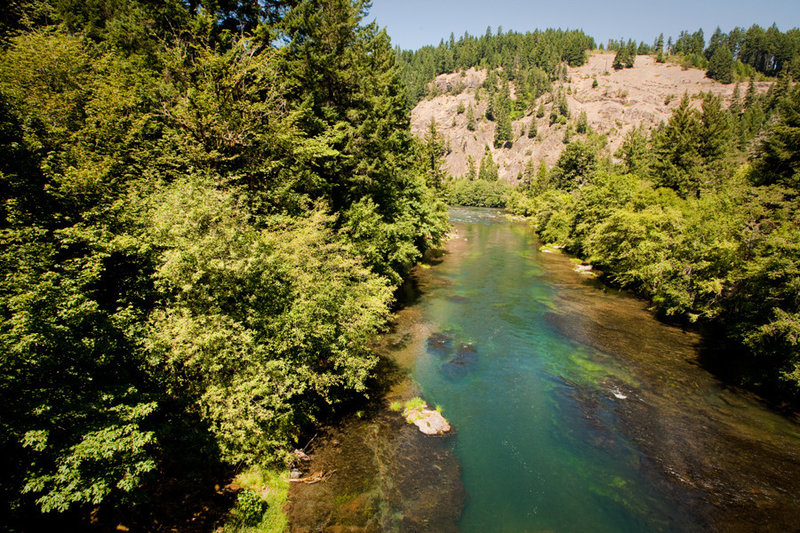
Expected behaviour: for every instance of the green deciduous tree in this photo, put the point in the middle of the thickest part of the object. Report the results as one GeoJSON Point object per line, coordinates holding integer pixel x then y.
{"type": "Point", "coordinates": [261, 327]}
{"type": "Point", "coordinates": [575, 166]}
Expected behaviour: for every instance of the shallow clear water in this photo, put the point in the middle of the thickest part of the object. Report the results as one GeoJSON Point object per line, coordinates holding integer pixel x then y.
{"type": "Point", "coordinates": [573, 408]}
{"type": "Point", "coordinates": [576, 410]}
{"type": "Point", "coordinates": [538, 451]}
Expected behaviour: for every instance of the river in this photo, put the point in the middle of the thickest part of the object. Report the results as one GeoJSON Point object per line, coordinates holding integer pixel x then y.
{"type": "Point", "coordinates": [573, 410]}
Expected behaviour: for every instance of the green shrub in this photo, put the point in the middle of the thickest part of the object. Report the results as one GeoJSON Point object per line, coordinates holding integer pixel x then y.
{"type": "Point", "coordinates": [478, 193]}
{"type": "Point", "coordinates": [250, 508]}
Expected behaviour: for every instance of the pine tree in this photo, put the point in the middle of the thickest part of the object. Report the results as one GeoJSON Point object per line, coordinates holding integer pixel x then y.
{"type": "Point", "coordinates": [715, 133]}
{"type": "Point", "coordinates": [750, 123]}
{"type": "Point", "coordinates": [677, 161]}
{"type": "Point", "coordinates": [620, 58]}
{"type": "Point", "coordinates": [563, 105]}
{"type": "Point", "coordinates": [488, 170]}
{"type": "Point", "coordinates": [434, 149]}
{"type": "Point", "coordinates": [470, 118]}
{"type": "Point", "coordinates": [542, 182]}
{"type": "Point", "coordinates": [532, 130]}
{"type": "Point", "coordinates": [779, 152]}
{"type": "Point", "coordinates": [527, 176]}
{"type": "Point", "coordinates": [582, 125]}
{"type": "Point", "coordinates": [659, 48]}
{"type": "Point", "coordinates": [553, 113]}
{"type": "Point", "coordinates": [735, 106]}
{"type": "Point", "coordinates": [751, 96]}
{"type": "Point", "coordinates": [630, 58]}
{"type": "Point", "coordinates": [503, 133]}
{"type": "Point", "coordinates": [717, 39]}
{"type": "Point", "coordinates": [635, 154]}
{"type": "Point", "coordinates": [471, 172]}
{"type": "Point", "coordinates": [720, 66]}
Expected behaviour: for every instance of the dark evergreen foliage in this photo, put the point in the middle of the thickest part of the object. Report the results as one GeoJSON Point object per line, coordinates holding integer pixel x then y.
{"type": "Point", "coordinates": [528, 59]}
{"type": "Point", "coordinates": [779, 152]}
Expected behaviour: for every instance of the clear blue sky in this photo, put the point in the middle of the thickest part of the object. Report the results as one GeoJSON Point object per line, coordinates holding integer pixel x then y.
{"type": "Point", "coordinates": [415, 23]}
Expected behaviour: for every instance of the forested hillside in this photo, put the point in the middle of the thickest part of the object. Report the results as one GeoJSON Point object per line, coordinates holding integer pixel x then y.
{"type": "Point", "coordinates": [530, 59]}
{"type": "Point", "coordinates": [737, 54]}
{"type": "Point", "coordinates": [206, 207]}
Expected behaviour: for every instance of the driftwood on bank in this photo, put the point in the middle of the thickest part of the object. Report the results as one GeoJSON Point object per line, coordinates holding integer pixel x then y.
{"type": "Point", "coordinates": [317, 477]}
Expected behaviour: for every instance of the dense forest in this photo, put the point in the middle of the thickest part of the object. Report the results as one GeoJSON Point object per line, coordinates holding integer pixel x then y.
{"type": "Point", "coordinates": [206, 208]}
{"type": "Point", "coordinates": [738, 54]}
{"type": "Point", "coordinates": [527, 58]}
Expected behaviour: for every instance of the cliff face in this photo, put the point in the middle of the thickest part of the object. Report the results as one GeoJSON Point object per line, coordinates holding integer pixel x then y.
{"type": "Point", "coordinates": [642, 96]}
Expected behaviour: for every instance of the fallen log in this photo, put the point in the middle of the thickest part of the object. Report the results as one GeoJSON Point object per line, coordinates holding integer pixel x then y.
{"type": "Point", "coordinates": [315, 478]}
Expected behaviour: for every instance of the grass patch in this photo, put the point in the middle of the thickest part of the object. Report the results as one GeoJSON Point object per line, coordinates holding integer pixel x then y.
{"type": "Point", "coordinates": [259, 507]}
{"type": "Point", "coordinates": [414, 404]}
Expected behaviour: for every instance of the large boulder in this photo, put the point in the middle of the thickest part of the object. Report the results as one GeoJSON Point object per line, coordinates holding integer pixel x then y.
{"type": "Point", "coordinates": [428, 421]}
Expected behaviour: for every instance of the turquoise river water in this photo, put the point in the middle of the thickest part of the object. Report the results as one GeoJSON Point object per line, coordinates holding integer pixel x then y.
{"type": "Point", "coordinates": [573, 409]}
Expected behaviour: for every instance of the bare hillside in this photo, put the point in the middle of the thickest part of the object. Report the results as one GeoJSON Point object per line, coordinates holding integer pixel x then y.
{"type": "Point", "coordinates": [644, 95]}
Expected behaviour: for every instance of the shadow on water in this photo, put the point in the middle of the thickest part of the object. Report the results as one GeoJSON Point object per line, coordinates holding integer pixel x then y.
{"type": "Point", "coordinates": [716, 449]}
{"type": "Point", "coordinates": [385, 475]}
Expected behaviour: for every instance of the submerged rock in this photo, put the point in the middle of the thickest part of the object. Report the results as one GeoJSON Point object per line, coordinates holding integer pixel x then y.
{"type": "Point", "coordinates": [460, 364]}
{"type": "Point", "coordinates": [467, 353]}
{"type": "Point", "coordinates": [398, 341]}
{"type": "Point", "coordinates": [439, 343]}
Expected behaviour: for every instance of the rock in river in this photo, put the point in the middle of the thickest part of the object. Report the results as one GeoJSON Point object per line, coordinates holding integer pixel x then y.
{"type": "Point", "coordinates": [439, 343]}
{"type": "Point", "coordinates": [428, 421]}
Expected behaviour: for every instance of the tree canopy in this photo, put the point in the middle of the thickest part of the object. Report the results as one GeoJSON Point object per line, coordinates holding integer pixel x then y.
{"type": "Point", "coordinates": [206, 207]}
